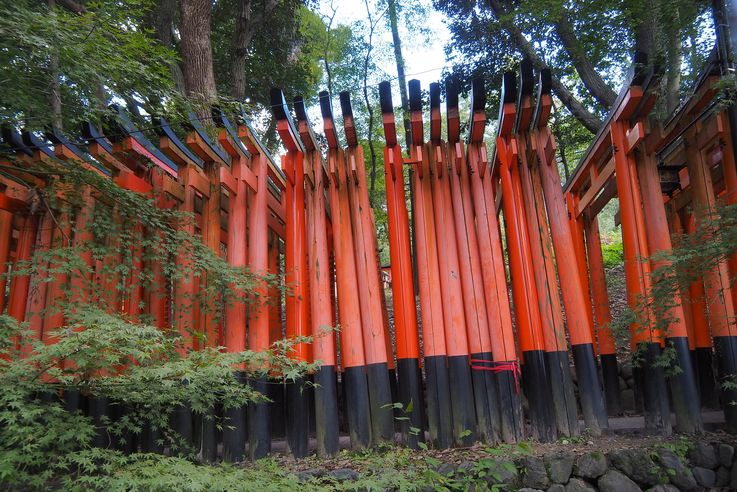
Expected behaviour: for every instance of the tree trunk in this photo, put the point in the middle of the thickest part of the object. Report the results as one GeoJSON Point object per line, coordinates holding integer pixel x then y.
{"type": "Point", "coordinates": [162, 20]}
{"type": "Point", "coordinates": [366, 60]}
{"type": "Point", "coordinates": [673, 79]}
{"type": "Point", "coordinates": [196, 51]}
{"type": "Point", "coordinates": [586, 70]}
{"type": "Point", "coordinates": [399, 59]}
{"type": "Point", "coordinates": [55, 88]}
{"type": "Point", "coordinates": [589, 120]}
{"type": "Point", "coordinates": [242, 36]}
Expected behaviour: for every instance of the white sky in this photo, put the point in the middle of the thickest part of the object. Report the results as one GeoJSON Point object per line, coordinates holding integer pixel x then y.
{"type": "Point", "coordinates": [424, 58]}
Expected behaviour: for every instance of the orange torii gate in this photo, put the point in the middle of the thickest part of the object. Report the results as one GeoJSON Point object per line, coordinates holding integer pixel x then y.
{"type": "Point", "coordinates": [465, 353]}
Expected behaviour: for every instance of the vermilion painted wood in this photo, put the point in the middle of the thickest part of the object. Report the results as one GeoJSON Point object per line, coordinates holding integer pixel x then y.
{"type": "Point", "coordinates": [258, 254]}
{"type": "Point", "coordinates": [498, 309]}
{"type": "Point", "coordinates": [56, 292]}
{"type": "Point", "coordinates": [602, 314]}
{"type": "Point", "coordinates": [721, 307]}
{"type": "Point", "coordinates": [403, 297]}
{"type": "Point", "coordinates": [19, 284]}
{"type": "Point", "coordinates": [523, 288]}
{"type": "Point", "coordinates": [472, 283]}
{"type": "Point", "coordinates": [349, 311]}
{"type": "Point", "coordinates": [637, 271]}
{"type": "Point", "coordinates": [577, 228]}
{"type": "Point", "coordinates": [6, 234]}
{"type": "Point", "coordinates": [275, 304]}
{"type": "Point", "coordinates": [428, 263]}
{"type": "Point", "coordinates": [37, 296]}
{"type": "Point", "coordinates": [367, 267]}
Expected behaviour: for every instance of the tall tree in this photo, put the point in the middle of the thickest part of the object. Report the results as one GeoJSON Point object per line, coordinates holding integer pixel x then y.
{"type": "Point", "coordinates": [196, 49]}
{"type": "Point", "coordinates": [401, 78]}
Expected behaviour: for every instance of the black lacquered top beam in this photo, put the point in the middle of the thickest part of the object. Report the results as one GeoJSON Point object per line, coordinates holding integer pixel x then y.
{"type": "Point", "coordinates": [15, 141]}
{"type": "Point", "coordinates": [525, 90]}
{"type": "Point", "coordinates": [243, 120]}
{"type": "Point", "coordinates": [508, 99]}
{"type": "Point", "coordinates": [387, 113]}
{"type": "Point", "coordinates": [308, 136]}
{"type": "Point", "coordinates": [477, 119]}
{"type": "Point", "coordinates": [326, 109]}
{"type": "Point", "coordinates": [415, 109]}
{"type": "Point", "coordinates": [282, 114]}
{"type": "Point", "coordinates": [223, 122]}
{"type": "Point", "coordinates": [32, 141]}
{"type": "Point", "coordinates": [435, 117]}
{"type": "Point", "coordinates": [542, 101]}
{"type": "Point", "coordinates": [196, 125]}
{"type": "Point", "coordinates": [453, 118]}
{"type": "Point", "coordinates": [121, 124]}
{"type": "Point", "coordinates": [348, 123]}
{"type": "Point", "coordinates": [163, 129]}
{"type": "Point", "coordinates": [90, 132]}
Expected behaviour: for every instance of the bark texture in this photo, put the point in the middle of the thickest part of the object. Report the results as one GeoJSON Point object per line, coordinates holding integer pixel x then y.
{"type": "Point", "coordinates": [196, 51]}
{"type": "Point", "coordinates": [401, 78]}
{"type": "Point", "coordinates": [245, 27]}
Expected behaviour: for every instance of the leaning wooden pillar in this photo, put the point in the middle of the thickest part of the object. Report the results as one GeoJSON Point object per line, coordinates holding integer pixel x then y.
{"type": "Point", "coordinates": [717, 287]}
{"type": "Point", "coordinates": [429, 274]}
{"type": "Point", "coordinates": [603, 317]}
{"type": "Point", "coordinates": [699, 335]}
{"type": "Point", "coordinates": [503, 367]}
{"type": "Point", "coordinates": [259, 415]}
{"type": "Point", "coordinates": [645, 336]}
{"type": "Point", "coordinates": [369, 285]}
{"type": "Point", "coordinates": [551, 314]}
{"type": "Point", "coordinates": [529, 329]}
{"type": "Point", "coordinates": [235, 183]}
{"type": "Point", "coordinates": [472, 402]}
{"type": "Point", "coordinates": [6, 234]}
{"type": "Point", "coordinates": [296, 274]}
{"type": "Point", "coordinates": [403, 289]}
{"type": "Point", "coordinates": [684, 391]}
{"type": "Point", "coordinates": [349, 311]}
{"type": "Point", "coordinates": [320, 272]}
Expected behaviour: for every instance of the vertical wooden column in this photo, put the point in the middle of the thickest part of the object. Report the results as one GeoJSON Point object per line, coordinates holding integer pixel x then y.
{"type": "Point", "coordinates": [6, 235]}
{"type": "Point", "coordinates": [320, 273]}
{"type": "Point", "coordinates": [37, 296]}
{"type": "Point", "coordinates": [645, 336]}
{"type": "Point", "coordinates": [551, 315]}
{"type": "Point", "coordinates": [602, 317]}
{"type": "Point", "coordinates": [349, 311]}
{"type": "Point", "coordinates": [430, 282]}
{"type": "Point", "coordinates": [19, 285]}
{"type": "Point", "coordinates": [717, 288]}
{"type": "Point", "coordinates": [369, 284]}
{"type": "Point", "coordinates": [501, 363]}
{"type": "Point", "coordinates": [684, 391]}
{"type": "Point", "coordinates": [703, 345]}
{"type": "Point", "coordinates": [403, 289]}
{"type": "Point", "coordinates": [471, 402]}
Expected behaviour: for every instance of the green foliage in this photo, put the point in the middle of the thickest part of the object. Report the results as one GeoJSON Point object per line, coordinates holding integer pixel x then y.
{"type": "Point", "coordinates": [101, 353]}
{"type": "Point", "coordinates": [613, 254]}
{"type": "Point", "coordinates": [98, 53]}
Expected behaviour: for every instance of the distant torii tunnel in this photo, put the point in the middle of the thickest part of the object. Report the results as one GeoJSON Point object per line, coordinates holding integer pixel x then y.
{"type": "Point", "coordinates": [461, 354]}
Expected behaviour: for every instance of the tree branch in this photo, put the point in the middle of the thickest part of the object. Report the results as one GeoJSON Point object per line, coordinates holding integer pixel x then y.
{"type": "Point", "coordinates": [589, 120]}
{"type": "Point", "coordinates": [589, 76]}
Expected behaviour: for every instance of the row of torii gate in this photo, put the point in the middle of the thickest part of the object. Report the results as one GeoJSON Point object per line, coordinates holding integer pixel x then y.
{"type": "Point", "coordinates": [460, 353]}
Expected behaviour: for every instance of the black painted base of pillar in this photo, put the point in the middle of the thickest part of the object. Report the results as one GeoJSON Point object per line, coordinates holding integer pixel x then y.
{"type": "Point", "coordinates": [461, 400]}
{"type": "Point", "coordinates": [510, 405]}
{"type": "Point", "coordinates": [298, 417]}
{"type": "Point", "coordinates": [182, 425]}
{"type": "Point", "coordinates": [725, 350]}
{"type": "Point", "coordinates": [654, 392]}
{"type": "Point", "coordinates": [610, 377]}
{"type": "Point", "coordinates": [380, 399]}
{"type": "Point", "coordinates": [150, 440]}
{"type": "Point", "coordinates": [276, 392]}
{"type": "Point", "coordinates": [73, 400]}
{"type": "Point", "coordinates": [259, 422]}
{"type": "Point", "coordinates": [357, 404]}
{"type": "Point", "coordinates": [207, 435]}
{"type": "Point", "coordinates": [485, 395]}
{"type": "Point", "coordinates": [589, 389]}
{"type": "Point", "coordinates": [537, 389]}
{"type": "Point", "coordinates": [439, 412]}
{"type": "Point", "coordinates": [97, 409]}
{"type": "Point", "coordinates": [326, 411]}
{"type": "Point", "coordinates": [563, 397]}
{"type": "Point", "coordinates": [708, 388]}
{"type": "Point", "coordinates": [234, 429]}
{"type": "Point", "coordinates": [409, 394]}
{"type": "Point", "coordinates": [684, 391]}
